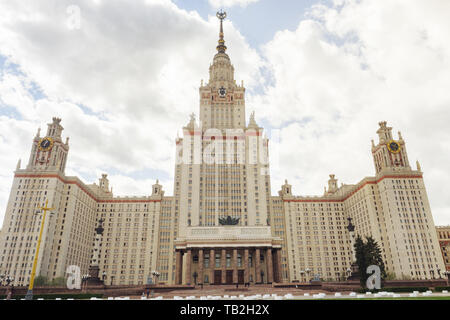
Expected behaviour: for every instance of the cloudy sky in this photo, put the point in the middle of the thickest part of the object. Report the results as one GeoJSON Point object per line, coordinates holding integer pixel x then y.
{"type": "Point", "coordinates": [125, 76]}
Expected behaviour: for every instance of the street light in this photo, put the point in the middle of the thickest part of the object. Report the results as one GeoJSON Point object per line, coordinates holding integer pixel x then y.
{"type": "Point", "coordinates": [447, 275]}
{"type": "Point", "coordinates": [308, 270]}
{"type": "Point", "coordinates": [302, 274]}
{"type": "Point", "coordinates": [7, 278]}
{"type": "Point", "coordinates": [349, 273]}
{"type": "Point", "coordinates": [29, 295]}
{"type": "Point", "coordinates": [156, 275]}
{"type": "Point", "coordinates": [104, 276]}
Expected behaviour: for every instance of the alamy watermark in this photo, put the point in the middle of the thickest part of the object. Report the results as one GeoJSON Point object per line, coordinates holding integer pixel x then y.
{"type": "Point", "coordinates": [374, 281]}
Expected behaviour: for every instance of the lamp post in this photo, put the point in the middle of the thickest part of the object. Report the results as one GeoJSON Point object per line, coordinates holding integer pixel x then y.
{"type": "Point", "coordinates": [7, 278]}
{"type": "Point", "coordinates": [104, 276]}
{"type": "Point", "coordinates": [447, 275]}
{"type": "Point", "coordinates": [349, 273]}
{"type": "Point", "coordinates": [308, 270]}
{"type": "Point", "coordinates": [29, 295]}
{"type": "Point", "coordinates": [156, 275]}
{"type": "Point", "coordinates": [302, 275]}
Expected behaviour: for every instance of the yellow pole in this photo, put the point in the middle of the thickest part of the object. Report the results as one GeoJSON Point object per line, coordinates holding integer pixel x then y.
{"type": "Point", "coordinates": [29, 295]}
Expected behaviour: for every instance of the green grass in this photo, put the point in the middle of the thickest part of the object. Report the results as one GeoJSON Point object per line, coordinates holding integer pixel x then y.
{"type": "Point", "coordinates": [53, 296]}
{"type": "Point", "coordinates": [386, 298]}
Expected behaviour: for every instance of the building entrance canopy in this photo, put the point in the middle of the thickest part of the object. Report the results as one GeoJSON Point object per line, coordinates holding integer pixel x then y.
{"type": "Point", "coordinates": [228, 255]}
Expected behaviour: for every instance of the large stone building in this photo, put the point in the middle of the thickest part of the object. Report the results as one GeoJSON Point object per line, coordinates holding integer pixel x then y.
{"type": "Point", "coordinates": [443, 233]}
{"type": "Point", "coordinates": [222, 224]}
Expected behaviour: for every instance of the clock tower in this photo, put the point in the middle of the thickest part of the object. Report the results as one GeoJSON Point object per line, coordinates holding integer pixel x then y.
{"type": "Point", "coordinates": [389, 154]}
{"type": "Point", "coordinates": [49, 153]}
{"type": "Point", "coordinates": [222, 103]}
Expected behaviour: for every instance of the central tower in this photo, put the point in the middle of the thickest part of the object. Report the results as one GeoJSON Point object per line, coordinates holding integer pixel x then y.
{"type": "Point", "coordinates": [222, 187]}
{"type": "Point", "coordinates": [222, 103]}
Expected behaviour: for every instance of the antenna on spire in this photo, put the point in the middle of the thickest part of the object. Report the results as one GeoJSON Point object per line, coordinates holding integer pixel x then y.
{"type": "Point", "coordinates": [221, 15]}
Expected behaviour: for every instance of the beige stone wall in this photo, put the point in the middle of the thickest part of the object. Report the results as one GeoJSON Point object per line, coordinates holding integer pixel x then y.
{"type": "Point", "coordinates": [443, 234]}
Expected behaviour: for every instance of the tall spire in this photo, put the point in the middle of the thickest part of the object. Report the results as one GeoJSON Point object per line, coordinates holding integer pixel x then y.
{"type": "Point", "coordinates": [221, 48]}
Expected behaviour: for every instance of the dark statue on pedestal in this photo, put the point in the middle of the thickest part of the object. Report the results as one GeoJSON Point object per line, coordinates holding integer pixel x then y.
{"type": "Point", "coordinates": [228, 221]}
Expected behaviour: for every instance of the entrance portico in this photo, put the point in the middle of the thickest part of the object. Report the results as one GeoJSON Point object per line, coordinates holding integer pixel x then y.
{"type": "Point", "coordinates": [228, 255]}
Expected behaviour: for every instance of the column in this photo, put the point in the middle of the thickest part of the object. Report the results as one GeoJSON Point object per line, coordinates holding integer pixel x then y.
{"type": "Point", "coordinates": [178, 267]}
{"type": "Point", "coordinates": [269, 265]}
{"type": "Point", "coordinates": [200, 266]}
{"type": "Point", "coordinates": [257, 264]}
{"type": "Point", "coordinates": [278, 262]}
{"type": "Point", "coordinates": [246, 267]}
{"type": "Point", "coordinates": [212, 264]}
{"type": "Point", "coordinates": [188, 266]}
{"type": "Point", "coordinates": [275, 265]}
{"type": "Point", "coordinates": [235, 266]}
{"type": "Point", "coordinates": [224, 266]}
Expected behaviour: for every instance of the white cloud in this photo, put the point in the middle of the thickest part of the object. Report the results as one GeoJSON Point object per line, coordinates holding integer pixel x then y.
{"type": "Point", "coordinates": [345, 68]}
{"type": "Point", "coordinates": [123, 84]}
{"type": "Point", "coordinates": [230, 3]}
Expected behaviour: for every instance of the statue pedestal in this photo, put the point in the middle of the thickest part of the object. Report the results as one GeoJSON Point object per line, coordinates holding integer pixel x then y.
{"type": "Point", "coordinates": [94, 280]}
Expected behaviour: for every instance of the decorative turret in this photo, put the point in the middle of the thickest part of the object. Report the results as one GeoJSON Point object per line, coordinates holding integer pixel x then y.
{"type": "Point", "coordinates": [332, 184]}
{"type": "Point", "coordinates": [157, 189]}
{"type": "Point", "coordinates": [252, 122]}
{"type": "Point", "coordinates": [286, 190]}
{"type": "Point", "coordinates": [103, 182]}
{"type": "Point", "coordinates": [49, 153]}
{"type": "Point", "coordinates": [389, 154]}
{"type": "Point", "coordinates": [384, 132]}
{"type": "Point", "coordinates": [55, 129]}
{"type": "Point", "coordinates": [418, 166]}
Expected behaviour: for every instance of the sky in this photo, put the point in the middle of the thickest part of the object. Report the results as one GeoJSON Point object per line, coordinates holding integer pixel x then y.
{"type": "Point", "coordinates": [124, 77]}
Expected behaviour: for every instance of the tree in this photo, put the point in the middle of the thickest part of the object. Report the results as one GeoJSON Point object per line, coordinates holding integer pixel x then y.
{"type": "Point", "coordinates": [368, 253]}
{"type": "Point", "coordinates": [374, 255]}
{"type": "Point", "coordinates": [58, 282]}
{"type": "Point", "coordinates": [360, 257]}
{"type": "Point", "coordinates": [40, 281]}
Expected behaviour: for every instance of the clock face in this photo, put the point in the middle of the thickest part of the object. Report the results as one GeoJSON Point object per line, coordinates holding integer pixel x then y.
{"type": "Point", "coordinates": [222, 91]}
{"type": "Point", "coordinates": [393, 146]}
{"type": "Point", "coordinates": [45, 144]}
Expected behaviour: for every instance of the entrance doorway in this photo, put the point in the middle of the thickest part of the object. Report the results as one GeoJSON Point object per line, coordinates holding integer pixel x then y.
{"type": "Point", "coordinates": [217, 277]}
{"type": "Point", "coordinates": [229, 277]}
{"type": "Point", "coordinates": [241, 276]}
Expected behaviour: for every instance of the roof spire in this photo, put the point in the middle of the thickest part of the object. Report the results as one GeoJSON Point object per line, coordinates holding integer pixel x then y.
{"type": "Point", "coordinates": [221, 48]}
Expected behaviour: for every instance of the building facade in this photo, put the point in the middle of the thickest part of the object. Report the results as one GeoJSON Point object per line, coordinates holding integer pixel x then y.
{"type": "Point", "coordinates": [222, 225]}
{"type": "Point", "coordinates": [443, 233]}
